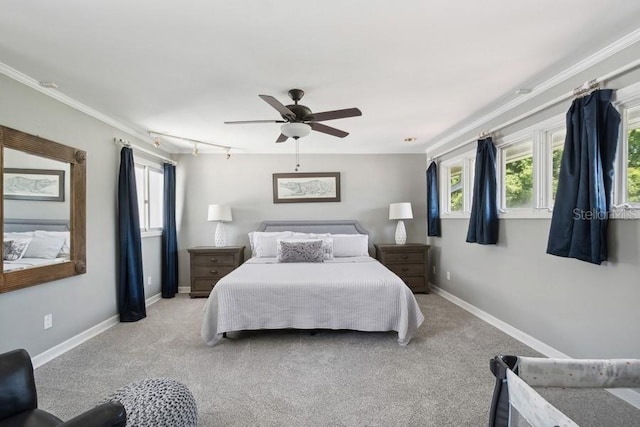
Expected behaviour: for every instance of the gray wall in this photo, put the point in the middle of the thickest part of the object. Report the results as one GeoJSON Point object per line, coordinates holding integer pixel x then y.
{"type": "Point", "coordinates": [580, 309]}
{"type": "Point", "coordinates": [81, 302]}
{"type": "Point", "coordinates": [368, 184]}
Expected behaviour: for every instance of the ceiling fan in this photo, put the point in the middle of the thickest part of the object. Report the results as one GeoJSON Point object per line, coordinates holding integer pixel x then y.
{"type": "Point", "coordinates": [299, 121]}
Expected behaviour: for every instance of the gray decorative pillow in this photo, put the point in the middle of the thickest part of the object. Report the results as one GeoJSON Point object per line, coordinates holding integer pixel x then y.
{"type": "Point", "coordinates": [301, 251]}
{"type": "Point", "coordinates": [6, 248]}
{"type": "Point", "coordinates": [16, 250]}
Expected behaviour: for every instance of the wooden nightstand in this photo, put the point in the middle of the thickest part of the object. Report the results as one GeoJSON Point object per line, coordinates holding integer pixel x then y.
{"type": "Point", "coordinates": [407, 261]}
{"type": "Point", "coordinates": [210, 264]}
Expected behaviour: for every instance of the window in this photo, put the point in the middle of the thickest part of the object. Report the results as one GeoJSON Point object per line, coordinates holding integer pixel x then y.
{"type": "Point", "coordinates": [458, 178]}
{"type": "Point", "coordinates": [517, 175]}
{"type": "Point", "coordinates": [557, 148]}
{"type": "Point", "coordinates": [550, 171]}
{"type": "Point", "coordinates": [632, 134]}
{"type": "Point", "coordinates": [149, 186]}
{"type": "Point", "coordinates": [456, 189]}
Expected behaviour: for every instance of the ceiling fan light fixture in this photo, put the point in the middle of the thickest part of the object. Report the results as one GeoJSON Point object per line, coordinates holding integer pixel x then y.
{"type": "Point", "coordinates": [295, 130]}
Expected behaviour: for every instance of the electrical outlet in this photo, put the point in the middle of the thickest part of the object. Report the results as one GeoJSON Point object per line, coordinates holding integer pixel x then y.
{"type": "Point", "coordinates": [149, 281]}
{"type": "Point", "coordinates": [48, 321]}
{"type": "Point", "coordinates": [448, 275]}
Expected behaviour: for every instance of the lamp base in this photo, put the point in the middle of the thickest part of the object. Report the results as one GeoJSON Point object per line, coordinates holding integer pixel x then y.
{"type": "Point", "coordinates": [220, 237]}
{"type": "Point", "coordinates": [401, 233]}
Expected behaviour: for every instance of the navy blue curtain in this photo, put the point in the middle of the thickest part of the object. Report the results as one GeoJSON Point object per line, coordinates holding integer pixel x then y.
{"type": "Point", "coordinates": [483, 223]}
{"type": "Point", "coordinates": [433, 202]}
{"type": "Point", "coordinates": [169, 237]}
{"type": "Point", "coordinates": [131, 304]}
{"type": "Point", "coordinates": [583, 199]}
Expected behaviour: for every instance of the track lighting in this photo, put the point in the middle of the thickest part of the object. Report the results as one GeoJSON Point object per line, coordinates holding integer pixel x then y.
{"type": "Point", "coordinates": [195, 142]}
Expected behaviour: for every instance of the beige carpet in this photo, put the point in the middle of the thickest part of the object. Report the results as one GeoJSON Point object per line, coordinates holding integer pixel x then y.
{"type": "Point", "coordinates": [294, 378]}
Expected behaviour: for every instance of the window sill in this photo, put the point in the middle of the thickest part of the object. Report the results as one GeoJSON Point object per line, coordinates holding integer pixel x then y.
{"type": "Point", "coordinates": [150, 233]}
{"type": "Point", "coordinates": [542, 213]}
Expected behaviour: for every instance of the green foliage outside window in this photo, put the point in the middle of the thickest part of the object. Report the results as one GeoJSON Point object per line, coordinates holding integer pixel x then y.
{"type": "Point", "coordinates": [556, 159]}
{"type": "Point", "coordinates": [519, 183]}
{"type": "Point", "coordinates": [456, 189]}
{"type": "Point", "coordinates": [633, 166]}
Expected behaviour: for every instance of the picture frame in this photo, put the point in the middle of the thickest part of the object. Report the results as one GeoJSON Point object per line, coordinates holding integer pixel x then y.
{"type": "Point", "coordinates": [306, 187]}
{"type": "Point", "coordinates": [33, 184]}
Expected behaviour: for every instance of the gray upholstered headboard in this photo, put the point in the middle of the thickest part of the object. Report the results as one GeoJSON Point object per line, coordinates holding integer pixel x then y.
{"type": "Point", "coordinates": [315, 226]}
{"type": "Point", "coordinates": [21, 224]}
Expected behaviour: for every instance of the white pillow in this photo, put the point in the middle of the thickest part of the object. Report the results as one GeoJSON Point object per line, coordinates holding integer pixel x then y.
{"type": "Point", "coordinates": [44, 247]}
{"type": "Point", "coordinates": [350, 245]}
{"type": "Point", "coordinates": [327, 245]}
{"type": "Point", "coordinates": [66, 247]}
{"type": "Point", "coordinates": [265, 242]}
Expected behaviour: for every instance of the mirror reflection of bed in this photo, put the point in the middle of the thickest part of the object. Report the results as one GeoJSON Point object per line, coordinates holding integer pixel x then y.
{"type": "Point", "coordinates": [29, 243]}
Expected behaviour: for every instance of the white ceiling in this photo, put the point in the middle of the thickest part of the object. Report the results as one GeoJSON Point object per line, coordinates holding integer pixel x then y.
{"type": "Point", "coordinates": [415, 68]}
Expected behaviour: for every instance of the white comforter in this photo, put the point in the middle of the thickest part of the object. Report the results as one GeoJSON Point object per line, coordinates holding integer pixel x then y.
{"type": "Point", "coordinates": [355, 293]}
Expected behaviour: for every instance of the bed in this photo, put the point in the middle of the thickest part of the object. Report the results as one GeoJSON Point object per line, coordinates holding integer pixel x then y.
{"type": "Point", "coordinates": [351, 290]}
{"type": "Point", "coordinates": [34, 242]}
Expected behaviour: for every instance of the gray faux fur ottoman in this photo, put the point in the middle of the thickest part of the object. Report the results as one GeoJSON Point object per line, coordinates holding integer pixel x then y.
{"type": "Point", "coordinates": [157, 402]}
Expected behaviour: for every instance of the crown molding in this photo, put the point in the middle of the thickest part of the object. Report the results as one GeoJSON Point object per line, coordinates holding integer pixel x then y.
{"type": "Point", "coordinates": [583, 65]}
{"type": "Point", "coordinates": [58, 96]}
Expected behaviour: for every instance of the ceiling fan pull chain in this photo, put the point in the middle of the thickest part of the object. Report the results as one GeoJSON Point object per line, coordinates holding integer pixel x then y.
{"type": "Point", "coordinates": [297, 155]}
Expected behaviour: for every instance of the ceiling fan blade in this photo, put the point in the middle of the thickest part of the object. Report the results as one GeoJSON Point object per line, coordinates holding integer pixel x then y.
{"type": "Point", "coordinates": [282, 138]}
{"type": "Point", "coordinates": [244, 122]}
{"type": "Point", "coordinates": [318, 127]}
{"type": "Point", "coordinates": [335, 114]}
{"type": "Point", "coordinates": [278, 106]}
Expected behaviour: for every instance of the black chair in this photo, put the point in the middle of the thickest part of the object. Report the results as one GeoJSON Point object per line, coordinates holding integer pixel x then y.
{"type": "Point", "coordinates": [19, 401]}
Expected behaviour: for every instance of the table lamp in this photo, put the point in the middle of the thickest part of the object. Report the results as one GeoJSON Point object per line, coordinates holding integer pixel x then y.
{"type": "Point", "coordinates": [400, 211]}
{"type": "Point", "coordinates": [220, 213]}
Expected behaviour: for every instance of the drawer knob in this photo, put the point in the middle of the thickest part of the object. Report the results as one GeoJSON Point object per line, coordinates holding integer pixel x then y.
{"type": "Point", "coordinates": [405, 256]}
{"type": "Point", "coordinates": [404, 269]}
{"type": "Point", "coordinates": [213, 259]}
{"type": "Point", "coordinates": [214, 272]}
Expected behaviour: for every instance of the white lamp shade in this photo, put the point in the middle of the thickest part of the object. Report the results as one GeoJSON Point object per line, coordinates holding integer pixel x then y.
{"type": "Point", "coordinates": [295, 130]}
{"type": "Point", "coordinates": [400, 211]}
{"type": "Point", "coordinates": [219, 213]}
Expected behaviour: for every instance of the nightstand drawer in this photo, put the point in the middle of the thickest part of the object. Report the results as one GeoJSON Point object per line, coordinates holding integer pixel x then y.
{"type": "Point", "coordinates": [404, 256]}
{"type": "Point", "coordinates": [212, 272]}
{"type": "Point", "coordinates": [407, 269]}
{"type": "Point", "coordinates": [414, 281]}
{"type": "Point", "coordinates": [203, 285]}
{"type": "Point", "coordinates": [213, 260]}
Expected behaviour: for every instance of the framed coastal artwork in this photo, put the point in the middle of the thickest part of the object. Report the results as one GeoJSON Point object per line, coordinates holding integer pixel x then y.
{"type": "Point", "coordinates": [306, 187]}
{"type": "Point", "coordinates": [34, 184]}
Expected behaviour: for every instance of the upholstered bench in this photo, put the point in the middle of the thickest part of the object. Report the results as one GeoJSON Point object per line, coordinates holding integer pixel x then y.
{"type": "Point", "coordinates": [157, 402]}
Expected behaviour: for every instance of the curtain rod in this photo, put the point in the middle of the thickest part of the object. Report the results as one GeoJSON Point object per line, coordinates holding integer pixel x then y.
{"type": "Point", "coordinates": [579, 91]}
{"type": "Point", "coordinates": [126, 143]}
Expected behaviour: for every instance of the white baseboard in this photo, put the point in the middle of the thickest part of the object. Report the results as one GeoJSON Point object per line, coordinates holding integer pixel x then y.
{"type": "Point", "coordinates": [63, 347]}
{"type": "Point", "coordinates": [629, 395]}
{"type": "Point", "coordinates": [184, 289]}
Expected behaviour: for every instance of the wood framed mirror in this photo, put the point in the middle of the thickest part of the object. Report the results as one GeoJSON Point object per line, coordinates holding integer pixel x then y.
{"type": "Point", "coordinates": [41, 190]}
